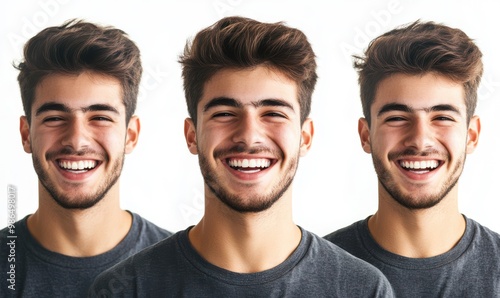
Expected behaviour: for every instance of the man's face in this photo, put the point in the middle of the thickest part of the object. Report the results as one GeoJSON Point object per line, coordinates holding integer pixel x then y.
{"type": "Point", "coordinates": [419, 137]}
{"type": "Point", "coordinates": [249, 137]}
{"type": "Point", "coordinates": [78, 137]}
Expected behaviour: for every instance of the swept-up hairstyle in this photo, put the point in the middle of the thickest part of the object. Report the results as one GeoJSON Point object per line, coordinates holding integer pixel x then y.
{"type": "Point", "coordinates": [76, 47]}
{"type": "Point", "coordinates": [419, 48]}
{"type": "Point", "coordinates": [237, 42]}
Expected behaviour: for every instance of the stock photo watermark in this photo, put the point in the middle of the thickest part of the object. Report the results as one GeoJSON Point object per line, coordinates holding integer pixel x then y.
{"type": "Point", "coordinates": [489, 86]}
{"type": "Point", "coordinates": [152, 78]}
{"type": "Point", "coordinates": [225, 7]}
{"type": "Point", "coordinates": [380, 20]}
{"type": "Point", "coordinates": [36, 22]}
{"type": "Point", "coordinates": [11, 237]}
{"type": "Point", "coordinates": [194, 209]}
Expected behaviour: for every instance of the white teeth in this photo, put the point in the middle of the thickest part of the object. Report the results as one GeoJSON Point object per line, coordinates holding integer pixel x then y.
{"type": "Point", "coordinates": [417, 165]}
{"type": "Point", "coordinates": [249, 163]}
{"type": "Point", "coordinates": [78, 165]}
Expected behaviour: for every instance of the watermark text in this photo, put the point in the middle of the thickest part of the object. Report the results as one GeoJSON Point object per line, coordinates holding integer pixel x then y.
{"type": "Point", "coordinates": [11, 237]}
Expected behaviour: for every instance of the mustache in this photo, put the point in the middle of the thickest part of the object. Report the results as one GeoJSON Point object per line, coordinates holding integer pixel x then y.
{"type": "Point", "coordinates": [242, 148]}
{"type": "Point", "coordinates": [409, 152]}
{"type": "Point", "coordinates": [71, 151]}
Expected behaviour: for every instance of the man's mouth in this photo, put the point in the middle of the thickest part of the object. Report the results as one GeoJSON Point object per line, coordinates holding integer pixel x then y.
{"type": "Point", "coordinates": [249, 166]}
{"type": "Point", "coordinates": [421, 166]}
{"type": "Point", "coordinates": [77, 166]}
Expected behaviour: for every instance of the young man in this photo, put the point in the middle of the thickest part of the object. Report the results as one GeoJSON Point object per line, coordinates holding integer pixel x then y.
{"type": "Point", "coordinates": [419, 91]}
{"type": "Point", "coordinates": [79, 85]}
{"type": "Point", "coordinates": [248, 88]}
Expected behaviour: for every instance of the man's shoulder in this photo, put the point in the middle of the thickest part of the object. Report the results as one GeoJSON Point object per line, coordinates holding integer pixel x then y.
{"type": "Point", "coordinates": [330, 260]}
{"type": "Point", "coordinates": [154, 256]}
{"type": "Point", "coordinates": [148, 230]}
{"type": "Point", "coordinates": [484, 238]}
{"type": "Point", "coordinates": [149, 266]}
{"type": "Point", "coordinates": [11, 233]}
{"type": "Point", "coordinates": [332, 254]}
{"type": "Point", "coordinates": [346, 236]}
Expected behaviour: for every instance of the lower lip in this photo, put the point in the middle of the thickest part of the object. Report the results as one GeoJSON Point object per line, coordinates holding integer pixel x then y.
{"type": "Point", "coordinates": [419, 176]}
{"type": "Point", "coordinates": [248, 176]}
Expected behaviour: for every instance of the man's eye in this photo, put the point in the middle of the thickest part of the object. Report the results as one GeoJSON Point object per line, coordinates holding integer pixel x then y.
{"type": "Point", "coordinates": [275, 114]}
{"type": "Point", "coordinates": [52, 119]}
{"type": "Point", "coordinates": [395, 119]}
{"type": "Point", "coordinates": [101, 118]}
{"type": "Point", "coordinates": [444, 118]}
{"type": "Point", "coordinates": [222, 114]}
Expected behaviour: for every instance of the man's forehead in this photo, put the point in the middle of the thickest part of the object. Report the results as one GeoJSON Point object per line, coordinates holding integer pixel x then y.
{"type": "Point", "coordinates": [419, 92]}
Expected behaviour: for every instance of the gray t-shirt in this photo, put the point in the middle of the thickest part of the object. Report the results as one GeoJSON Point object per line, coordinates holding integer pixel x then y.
{"type": "Point", "coordinates": [38, 272]}
{"type": "Point", "coordinates": [470, 269]}
{"type": "Point", "coordinates": [172, 268]}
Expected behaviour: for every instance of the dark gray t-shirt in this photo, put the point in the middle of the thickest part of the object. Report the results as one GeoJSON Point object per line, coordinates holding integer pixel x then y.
{"type": "Point", "coordinates": [470, 269]}
{"type": "Point", "coordinates": [38, 272]}
{"type": "Point", "coordinates": [172, 268]}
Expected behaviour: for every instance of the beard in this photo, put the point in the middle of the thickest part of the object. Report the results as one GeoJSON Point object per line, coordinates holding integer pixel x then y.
{"type": "Point", "coordinates": [415, 200]}
{"type": "Point", "coordinates": [254, 203]}
{"type": "Point", "coordinates": [73, 201]}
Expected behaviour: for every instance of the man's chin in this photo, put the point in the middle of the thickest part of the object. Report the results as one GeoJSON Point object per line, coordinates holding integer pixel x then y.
{"type": "Point", "coordinates": [77, 203]}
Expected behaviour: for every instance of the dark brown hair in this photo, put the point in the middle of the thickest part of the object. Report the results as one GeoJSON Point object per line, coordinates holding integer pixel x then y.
{"type": "Point", "coordinates": [419, 48]}
{"type": "Point", "coordinates": [236, 42]}
{"type": "Point", "coordinates": [75, 47]}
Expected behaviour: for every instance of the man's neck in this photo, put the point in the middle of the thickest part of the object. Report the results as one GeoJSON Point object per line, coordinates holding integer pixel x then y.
{"type": "Point", "coordinates": [246, 242]}
{"type": "Point", "coordinates": [418, 233]}
{"type": "Point", "coordinates": [80, 233]}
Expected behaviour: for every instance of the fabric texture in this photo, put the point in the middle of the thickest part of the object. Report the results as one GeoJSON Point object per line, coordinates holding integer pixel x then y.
{"type": "Point", "coordinates": [38, 272]}
{"type": "Point", "coordinates": [470, 269]}
{"type": "Point", "coordinates": [172, 268]}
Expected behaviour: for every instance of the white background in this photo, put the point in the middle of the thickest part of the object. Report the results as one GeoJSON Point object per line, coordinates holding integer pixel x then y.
{"type": "Point", "coordinates": [335, 184]}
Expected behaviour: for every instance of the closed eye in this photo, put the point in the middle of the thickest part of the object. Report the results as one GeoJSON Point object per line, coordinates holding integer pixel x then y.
{"type": "Point", "coordinates": [395, 119]}
{"type": "Point", "coordinates": [222, 114]}
{"type": "Point", "coordinates": [101, 118]}
{"type": "Point", "coordinates": [275, 114]}
{"type": "Point", "coordinates": [444, 118]}
{"type": "Point", "coordinates": [52, 119]}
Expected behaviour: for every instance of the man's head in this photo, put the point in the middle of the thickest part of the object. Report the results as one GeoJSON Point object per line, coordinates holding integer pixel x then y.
{"type": "Point", "coordinates": [76, 47]}
{"type": "Point", "coordinates": [79, 85]}
{"type": "Point", "coordinates": [419, 92]}
{"type": "Point", "coordinates": [239, 43]}
{"type": "Point", "coordinates": [417, 49]}
{"type": "Point", "coordinates": [248, 89]}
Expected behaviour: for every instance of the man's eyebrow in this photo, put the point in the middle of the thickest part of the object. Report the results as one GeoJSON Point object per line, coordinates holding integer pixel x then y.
{"type": "Point", "coordinates": [405, 108]}
{"type": "Point", "coordinates": [273, 103]}
{"type": "Point", "coordinates": [443, 107]}
{"type": "Point", "coordinates": [100, 107]}
{"type": "Point", "coordinates": [394, 107]}
{"type": "Point", "coordinates": [221, 101]}
{"type": "Point", "coordinates": [52, 106]}
{"type": "Point", "coordinates": [231, 102]}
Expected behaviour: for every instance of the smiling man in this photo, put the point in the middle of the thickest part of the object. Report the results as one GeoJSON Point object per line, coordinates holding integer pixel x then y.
{"type": "Point", "coordinates": [79, 85]}
{"type": "Point", "coordinates": [419, 92]}
{"type": "Point", "coordinates": [248, 88]}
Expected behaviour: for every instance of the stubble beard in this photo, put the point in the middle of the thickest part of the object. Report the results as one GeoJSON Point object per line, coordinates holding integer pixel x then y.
{"type": "Point", "coordinates": [84, 201]}
{"type": "Point", "coordinates": [413, 201]}
{"type": "Point", "coordinates": [237, 203]}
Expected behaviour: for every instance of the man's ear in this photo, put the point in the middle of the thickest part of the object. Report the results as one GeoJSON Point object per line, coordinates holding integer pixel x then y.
{"type": "Point", "coordinates": [190, 135]}
{"type": "Point", "coordinates": [307, 134]}
{"type": "Point", "coordinates": [133, 130]}
{"type": "Point", "coordinates": [24, 129]}
{"type": "Point", "coordinates": [473, 134]}
{"type": "Point", "coordinates": [364, 134]}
